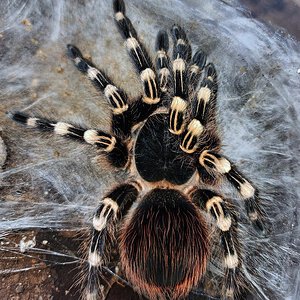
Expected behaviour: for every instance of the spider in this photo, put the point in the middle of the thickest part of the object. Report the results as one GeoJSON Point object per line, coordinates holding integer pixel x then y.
{"type": "Point", "coordinates": [167, 143]}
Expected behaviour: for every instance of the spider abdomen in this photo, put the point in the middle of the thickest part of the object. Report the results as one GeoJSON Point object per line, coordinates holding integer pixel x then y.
{"type": "Point", "coordinates": [158, 155]}
{"type": "Point", "coordinates": [164, 245]}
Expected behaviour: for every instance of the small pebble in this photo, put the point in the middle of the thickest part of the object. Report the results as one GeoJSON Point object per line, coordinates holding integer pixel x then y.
{"type": "Point", "coordinates": [19, 288]}
{"type": "Point", "coordinates": [26, 22]}
{"type": "Point", "coordinates": [26, 244]}
{"type": "Point", "coordinates": [3, 152]}
{"type": "Point", "coordinates": [59, 70]}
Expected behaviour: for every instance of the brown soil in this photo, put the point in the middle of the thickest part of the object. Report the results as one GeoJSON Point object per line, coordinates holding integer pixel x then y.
{"type": "Point", "coordinates": [52, 277]}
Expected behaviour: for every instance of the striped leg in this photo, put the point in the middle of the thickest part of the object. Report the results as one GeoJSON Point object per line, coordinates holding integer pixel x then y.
{"type": "Point", "coordinates": [204, 104]}
{"type": "Point", "coordinates": [182, 52]}
{"type": "Point", "coordinates": [195, 70]}
{"type": "Point", "coordinates": [115, 150]}
{"type": "Point", "coordinates": [151, 98]}
{"type": "Point", "coordinates": [162, 60]}
{"type": "Point", "coordinates": [181, 55]}
{"type": "Point", "coordinates": [219, 165]}
{"type": "Point", "coordinates": [121, 119]}
{"type": "Point", "coordinates": [223, 215]}
{"type": "Point", "coordinates": [109, 211]}
{"type": "Point", "coordinates": [203, 107]}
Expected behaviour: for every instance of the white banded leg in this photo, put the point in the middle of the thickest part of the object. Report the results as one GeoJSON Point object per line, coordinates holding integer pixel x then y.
{"type": "Point", "coordinates": [218, 164]}
{"type": "Point", "coordinates": [105, 215]}
{"type": "Point", "coordinates": [182, 47]}
{"type": "Point", "coordinates": [204, 104]}
{"type": "Point", "coordinates": [195, 134]}
{"type": "Point", "coordinates": [109, 211]}
{"type": "Point", "coordinates": [181, 55]}
{"type": "Point", "coordinates": [139, 56]}
{"type": "Point", "coordinates": [177, 115]}
{"type": "Point", "coordinates": [203, 107]}
{"type": "Point", "coordinates": [162, 60]}
{"type": "Point", "coordinates": [179, 104]}
{"type": "Point", "coordinates": [195, 69]}
{"type": "Point", "coordinates": [182, 52]}
{"type": "Point", "coordinates": [116, 151]}
{"type": "Point", "coordinates": [191, 137]}
{"type": "Point", "coordinates": [121, 122]}
{"type": "Point", "coordinates": [223, 215]}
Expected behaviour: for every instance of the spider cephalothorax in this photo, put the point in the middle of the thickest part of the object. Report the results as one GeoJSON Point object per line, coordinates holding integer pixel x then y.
{"type": "Point", "coordinates": [167, 143]}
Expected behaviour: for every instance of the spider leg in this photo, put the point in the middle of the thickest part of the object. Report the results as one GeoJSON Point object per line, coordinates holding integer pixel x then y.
{"type": "Point", "coordinates": [121, 119]}
{"type": "Point", "coordinates": [195, 70]}
{"type": "Point", "coordinates": [200, 129]}
{"type": "Point", "coordinates": [216, 164]}
{"type": "Point", "coordinates": [109, 211]}
{"type": "Point", "coordinates": [222, 214]}
{"type": "Point", "coordinates": [115, 150]}
{"type": "Point", "coordinates": [162, 60]}
{"type": "Point", "coordinates": [204, 104]}
{"type": "Point", "coordinates": [141, 59]}
{"type": "Point", "coordinates": [182, 52]}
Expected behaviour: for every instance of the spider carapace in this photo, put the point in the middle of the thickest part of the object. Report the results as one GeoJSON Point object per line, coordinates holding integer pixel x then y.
{"type": "Point", "coordinates": [168, 145]}
{"type": "Point", "coordinates": [164, 159]}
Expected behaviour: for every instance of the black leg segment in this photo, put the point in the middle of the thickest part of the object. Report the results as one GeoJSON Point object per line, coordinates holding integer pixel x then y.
{"type": "Point", "coordinates": [121, 114]}
{"type": "Point", "coordinates": [115, 150]}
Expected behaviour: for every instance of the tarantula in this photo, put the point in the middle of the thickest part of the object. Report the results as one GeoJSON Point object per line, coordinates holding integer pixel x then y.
{"type": "Point", "coordinates": [167, 142]}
